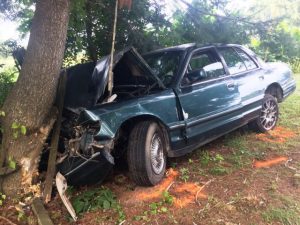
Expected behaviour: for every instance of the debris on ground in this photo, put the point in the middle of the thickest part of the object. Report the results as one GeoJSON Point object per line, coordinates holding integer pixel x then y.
{"type": "Point", "coordinates": [62, 186]}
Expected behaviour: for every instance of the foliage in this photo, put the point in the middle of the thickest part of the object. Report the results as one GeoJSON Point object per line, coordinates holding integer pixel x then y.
{"type": "Point", "coordinates": [18, 129]}
{"type": "Point", "coordinates": [100, 198]}
{"type": "Point", "coordinates": [274, 36]}
{"type": "Point", "coordinates": [2, 198]}
{"type": "Point", "coordinates": [295, 64]}
{"type": "Point", "coordinates": [11, 163]}
{"type": "Point", "coordinates": [91, 24]}
{"type": "Point", "coordinates": [184, 174]}
{"type": "Point", "coordinates": [7, 79]}
{"type": "Point", "coordinates": [199, 23]}
{"type": "Point", "coordinates": [157, 207]}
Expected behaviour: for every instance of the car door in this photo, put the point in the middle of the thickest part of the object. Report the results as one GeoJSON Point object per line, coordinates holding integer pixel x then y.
{"type": "Point", "coordinates": [248, 77]}
{"type": "Point", "coordinates": [208, 97]}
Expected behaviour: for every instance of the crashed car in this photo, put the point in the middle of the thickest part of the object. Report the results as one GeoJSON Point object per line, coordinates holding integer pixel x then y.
{"type": "Point", "coordinates": [165, 103]}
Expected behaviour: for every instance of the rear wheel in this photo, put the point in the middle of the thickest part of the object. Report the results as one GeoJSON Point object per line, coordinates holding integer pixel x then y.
{"type": "Point", "coordinates": [146, 154]}
{"type": "Point", "coordinates": [269, 115]}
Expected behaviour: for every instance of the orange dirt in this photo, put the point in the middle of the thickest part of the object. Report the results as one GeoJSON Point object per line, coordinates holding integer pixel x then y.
{"type": "Point", "coordinates": [185, 194]}
{"type": "Point", "coordinates": [270, 162]}
{"type": "Point", "coordinates": [278, 135]}
{"type": "Point", "coordinates": [150, 193]}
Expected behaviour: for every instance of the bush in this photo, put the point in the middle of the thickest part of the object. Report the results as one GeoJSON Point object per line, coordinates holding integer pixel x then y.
{"type": "Point", "coordinates": [295, 64]}
{"type": "Point", "coordinates": [7, 79]}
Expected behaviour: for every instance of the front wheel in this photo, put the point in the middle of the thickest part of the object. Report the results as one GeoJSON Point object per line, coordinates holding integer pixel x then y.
{"type": "Point", "coordinates": [269, 115]}
{"type": "Point", "coordinates": [147, 154]}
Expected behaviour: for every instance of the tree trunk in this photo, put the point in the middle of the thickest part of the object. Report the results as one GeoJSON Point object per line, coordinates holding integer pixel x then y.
{"type": "Point", "coordinates": [30, 102]}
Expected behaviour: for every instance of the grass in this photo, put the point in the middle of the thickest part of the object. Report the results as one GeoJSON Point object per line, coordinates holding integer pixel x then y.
{"type": "Point", "coordinates": [286, 216]}
{"type": "Point", "coordinates": [155, 208]}
{"type": "Point", "coordinates": [184, 174]}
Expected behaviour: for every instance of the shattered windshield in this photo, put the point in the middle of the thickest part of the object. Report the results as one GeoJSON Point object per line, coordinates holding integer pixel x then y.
{"type": "Point", "coordinates": [164, 64]}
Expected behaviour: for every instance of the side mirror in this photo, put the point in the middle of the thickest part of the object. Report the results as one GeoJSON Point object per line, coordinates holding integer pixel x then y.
{"type": "Point", "coordinates": [196, 75]}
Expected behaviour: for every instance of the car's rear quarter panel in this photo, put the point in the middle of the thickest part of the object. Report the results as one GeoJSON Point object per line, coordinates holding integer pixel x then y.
{"type": "Point", "coordinates": [280, 73]}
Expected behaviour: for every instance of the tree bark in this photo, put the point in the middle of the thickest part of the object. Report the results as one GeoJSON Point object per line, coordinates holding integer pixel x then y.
{"type": "Point", "coordinates": [30, 102]}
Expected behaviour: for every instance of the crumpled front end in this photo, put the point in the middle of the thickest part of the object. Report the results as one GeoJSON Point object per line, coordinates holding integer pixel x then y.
{"type": "Point", "coordinates": [86, 142]}
{"type": "Point", "coordinates": [86, 159]}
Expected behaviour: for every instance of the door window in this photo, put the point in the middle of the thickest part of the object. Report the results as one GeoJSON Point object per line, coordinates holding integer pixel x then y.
{"type": "Point", "coordinates": [203, 66]}
{"type": "Point", "coordinates": [234, 62]}
{"type": "Point", "coordinates": [250, 64]}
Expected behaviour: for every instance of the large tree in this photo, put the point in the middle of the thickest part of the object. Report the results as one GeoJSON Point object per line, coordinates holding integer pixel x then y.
{"type": "Point", "coordinates": [29, 103]}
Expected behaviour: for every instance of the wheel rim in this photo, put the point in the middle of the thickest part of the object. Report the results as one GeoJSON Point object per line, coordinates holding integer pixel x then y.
{"type": "Point", "coordinates": [269, 114]}
{"type": "Point", "coordinates": [157, 154]}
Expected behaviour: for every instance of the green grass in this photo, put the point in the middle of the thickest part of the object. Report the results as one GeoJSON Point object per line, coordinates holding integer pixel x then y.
{"type": "Point", "coordinates": [288, 213]}
{"type": "Point", "coordinates": [184, 174]}
{"type": "Point", "coordinates": [286, 216]}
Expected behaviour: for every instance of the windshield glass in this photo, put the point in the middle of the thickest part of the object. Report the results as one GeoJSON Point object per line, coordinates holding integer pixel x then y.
{"type": "Point", "coordinates": [164, 64]}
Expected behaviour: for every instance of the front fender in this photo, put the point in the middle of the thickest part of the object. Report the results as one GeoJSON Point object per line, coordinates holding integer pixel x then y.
{"type": "Point", "coordinates": [112, 115]}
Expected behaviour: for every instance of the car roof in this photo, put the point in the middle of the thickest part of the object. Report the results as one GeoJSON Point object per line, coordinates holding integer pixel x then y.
{"type": "Point", "coordinates": [189, 46]}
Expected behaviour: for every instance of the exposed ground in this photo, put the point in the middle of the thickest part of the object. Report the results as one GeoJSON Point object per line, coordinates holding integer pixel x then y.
{"type": "Point", "coordinates": [242, 178]}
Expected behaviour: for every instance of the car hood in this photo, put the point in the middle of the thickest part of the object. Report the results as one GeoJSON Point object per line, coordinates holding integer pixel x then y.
{"type": "Point", "coordinates": [86, 83]}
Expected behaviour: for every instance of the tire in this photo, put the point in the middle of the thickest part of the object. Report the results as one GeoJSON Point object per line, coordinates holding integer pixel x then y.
{"type": "Point", "coordinates": [146, 154]}
{"type": "Point", "coordinates": [268, 117]}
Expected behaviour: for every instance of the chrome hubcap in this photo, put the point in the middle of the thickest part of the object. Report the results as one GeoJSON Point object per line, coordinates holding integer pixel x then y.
{"type": "Point", "coordinates": [269, 114]}
{"type": "Point", "coordinates": [157, 154]}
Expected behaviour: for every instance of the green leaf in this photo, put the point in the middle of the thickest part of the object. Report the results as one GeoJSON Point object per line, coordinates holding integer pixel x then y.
{"type": "Point", "coordinates": [15, 125]}
{"type": "Point", "coordinates": [78, 206]}
{"type": "Point", "coordinates": [15, 135]}
{"type": "Point", "coordinates": [2, 113]}
{"type": "Point", "coordinates": [163, 209]}
{"type": "Point", "coordinates": [23, 130]}
{"type": "Point", "coordinates": [12, 164]}
{"type": "Point", "coordinates": [106, 204]}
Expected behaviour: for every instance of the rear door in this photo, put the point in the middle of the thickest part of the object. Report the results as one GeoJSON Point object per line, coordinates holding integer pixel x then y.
{"type": "Point", "coordinates": [209, 98]}
{"type": "Point", "coordinates": [248, 77]}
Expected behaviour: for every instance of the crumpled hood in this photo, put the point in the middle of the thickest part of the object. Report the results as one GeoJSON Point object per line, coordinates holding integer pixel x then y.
{"type": "Point", "coordinates": [86, 83]}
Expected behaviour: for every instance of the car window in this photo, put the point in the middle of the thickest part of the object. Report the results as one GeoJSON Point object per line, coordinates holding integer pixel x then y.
{"type": "Point", "coordinates": [234, 62]}
{"type": "Point", "coordinates": [164, 64]}
{"type": "Point", "coordinates": [250, 64]}
{"type": "Point", "coordinates": [199, 61]}
{"type": "Point", "coordinates": [204, 65]}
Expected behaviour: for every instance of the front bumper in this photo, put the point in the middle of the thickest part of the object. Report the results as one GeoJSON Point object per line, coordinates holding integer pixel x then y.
{"type": "Point", "coordinates": [81, 171]}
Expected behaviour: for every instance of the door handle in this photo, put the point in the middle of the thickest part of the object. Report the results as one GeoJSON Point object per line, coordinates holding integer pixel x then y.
{"type": "Point", "coordinates": [261, 77]}
{"type": "Point", "coordinates": [230, 85]}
